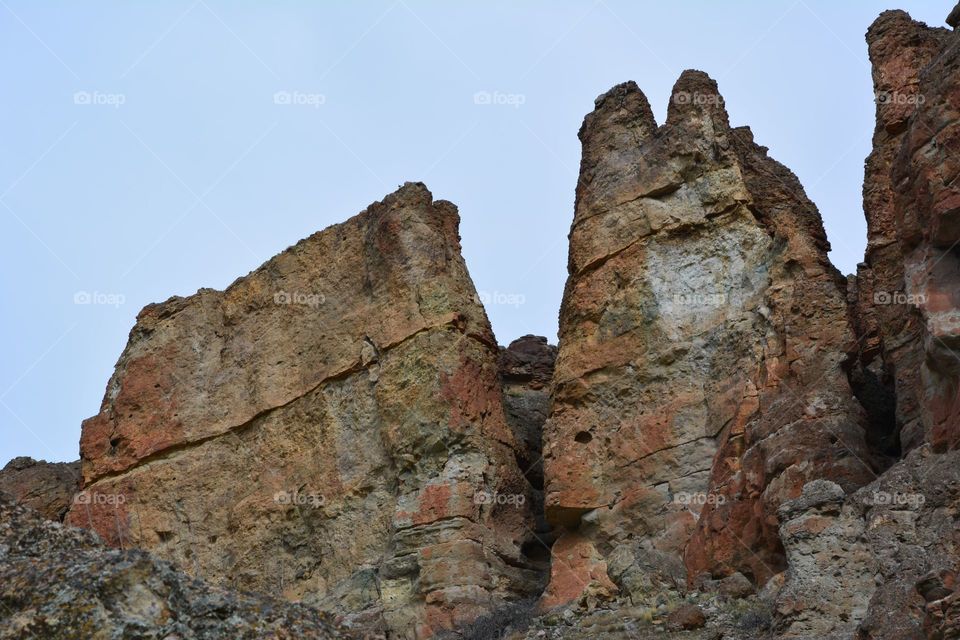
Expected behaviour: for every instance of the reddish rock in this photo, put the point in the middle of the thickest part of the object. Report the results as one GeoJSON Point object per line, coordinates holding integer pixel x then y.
{"type": "Point", "coordinates": [889, 324]}
{"type": "Point", "coordinates": [578, 573]}
{"type": "Point", "coordinates": [703, 336]}
{"type": "Point", "coordinates": [686, 617]}
{"type": "Point", "coordinates": [47, 487]}
{"type": "Point", "coordinates": [329, 428]}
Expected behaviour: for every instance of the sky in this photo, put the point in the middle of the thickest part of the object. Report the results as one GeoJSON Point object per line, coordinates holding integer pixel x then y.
{"type": "Point", "coordinates": [149, 149]}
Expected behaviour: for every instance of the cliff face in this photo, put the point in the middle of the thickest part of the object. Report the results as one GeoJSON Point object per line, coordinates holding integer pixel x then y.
{"type": "Point", "coordinates": [703, 335]}
{"type": "Point", "coordinates": [882, 563]}
{"type": "Point", "coordinates": [891, 324]}
{"type": "Point", "coordinates": [329, 428]}
{"type": "Point", "coordinates": [731, 438]}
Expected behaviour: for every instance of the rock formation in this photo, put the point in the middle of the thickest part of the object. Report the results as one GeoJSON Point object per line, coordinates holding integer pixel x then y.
{"type": "Point", "coordinates": [700, 378]}
{"type": "Point", "coordinates": [47, 487]}
{"type": "Point", "coordinates": [329, 428]}
{"type": "Point", "coordinates": [880, 563]}
{"type": "Point", "coordinates": [61, 582]}
{"type": "Point", "coordinates": [890, 324]}
{"type": "Point", "coordinates": [731, 440]}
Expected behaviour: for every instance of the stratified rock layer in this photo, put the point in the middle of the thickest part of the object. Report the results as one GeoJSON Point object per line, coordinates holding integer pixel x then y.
{"type": "Point", "coordinates": [330, 428]}
{"type": "Point", "coordinates": [63, 583]}
{"type": "Point", "coordinates": [700, 379]}
{"type": "Point", "coordinates": [47, 487]}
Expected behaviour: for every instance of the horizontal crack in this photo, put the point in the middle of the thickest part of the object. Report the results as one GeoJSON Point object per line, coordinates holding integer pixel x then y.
{"type": "Point", "coordinates": [356, 367]}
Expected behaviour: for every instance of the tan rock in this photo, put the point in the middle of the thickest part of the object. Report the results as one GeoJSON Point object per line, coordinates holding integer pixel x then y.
{"type": "Point", "coordinates": [329, 428]}
{"type": "Point", "coordinates": [703, 334]}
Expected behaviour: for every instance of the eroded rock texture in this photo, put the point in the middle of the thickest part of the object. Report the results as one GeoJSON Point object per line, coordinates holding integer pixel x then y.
{"type": "Point", "coordinates": [47, 487]}
{"type": "Point", "coordinates": [700, 379]}
{"type": "Point", "coordinates": [526, 370]}
{"type": "Point", "coordinates": [61, 582]}
{"type": "Point", "coordinates": [891, 325]}
{"type": "Point", "coordinates": [859, 562]}
{"type": "Point", "coordinates": [330, 429]}
{"type": "Point", "coordinates": [881, 563]}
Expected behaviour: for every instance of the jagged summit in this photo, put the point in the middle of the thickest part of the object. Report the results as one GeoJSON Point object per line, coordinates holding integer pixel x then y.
{"type": "Point", "coordinates": [730, 439]}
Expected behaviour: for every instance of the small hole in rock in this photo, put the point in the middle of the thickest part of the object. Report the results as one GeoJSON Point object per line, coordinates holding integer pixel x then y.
{"type": "Point", "coordinates": [583, 437]}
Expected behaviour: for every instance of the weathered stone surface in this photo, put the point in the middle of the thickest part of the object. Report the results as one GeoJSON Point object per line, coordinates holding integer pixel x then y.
{"type": "Point", "coordinates": [878, 564]}
{"type": "Point", "coordinates": [330, 428]}
{"type": "Point", "coordinates": [578, 574]}
{"type": "Point", "coordinates": [858, 562]}
{"type": "Point", "coordinates": [739, 442]}
{"type": "Point", "coordinates": [927, 210]}
{"type": "Point", "coordinates": [829, 579]}
{"type": "Point", "coordinates": [526, 371]}
{"type": "Point", "coordinates": [686, 617]}
{"type": "Point", "coordinates": [47, 487]}
{"type": "Point", "coordinates": [889, 324]}
{"type": "Point", "coordinates": [61, 582]}
{"type": "Point", "coordinates": [703, 334]}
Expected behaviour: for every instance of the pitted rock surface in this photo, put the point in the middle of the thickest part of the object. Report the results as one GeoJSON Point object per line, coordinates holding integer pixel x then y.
{"type": "Point", "coordinates": [330, 429]}
{"type": "Point", "coordinates": [703, 335]}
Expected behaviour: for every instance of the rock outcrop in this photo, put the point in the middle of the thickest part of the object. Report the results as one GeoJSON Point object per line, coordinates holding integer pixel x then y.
{"type": "Point", "coordinates": [879, 563]}
{"type": "Point", "coordinates": [858, 562]}
{"type": "Point", "coordinates": [62, 582]}
{"type": "Point", "coordinates": [47, 487]}
{"type": "Point", "coordinates": [700, 378]}
{"type": "Point", "coordinates": [890, 323]}
{"type": "Point", "coordinates": [329, 428]}
{"type": "Point", "coordinates": [526, 371]}
{"type": "Point", "coordinates": [731, 439]}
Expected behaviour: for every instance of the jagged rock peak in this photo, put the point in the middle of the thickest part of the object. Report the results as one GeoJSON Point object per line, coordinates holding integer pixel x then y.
{"type": "Point", "coordinates": [696, 96]}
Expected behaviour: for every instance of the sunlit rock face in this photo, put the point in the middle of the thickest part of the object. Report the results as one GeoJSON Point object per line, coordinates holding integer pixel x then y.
{"type": "Point", "coordinates": [329, 428]}
{"type": "Point", "coordinates": [700, 378]}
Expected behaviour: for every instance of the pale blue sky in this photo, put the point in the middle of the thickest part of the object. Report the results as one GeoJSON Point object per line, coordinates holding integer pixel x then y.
{"type": "Point", "coordinates": [143, 153]}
